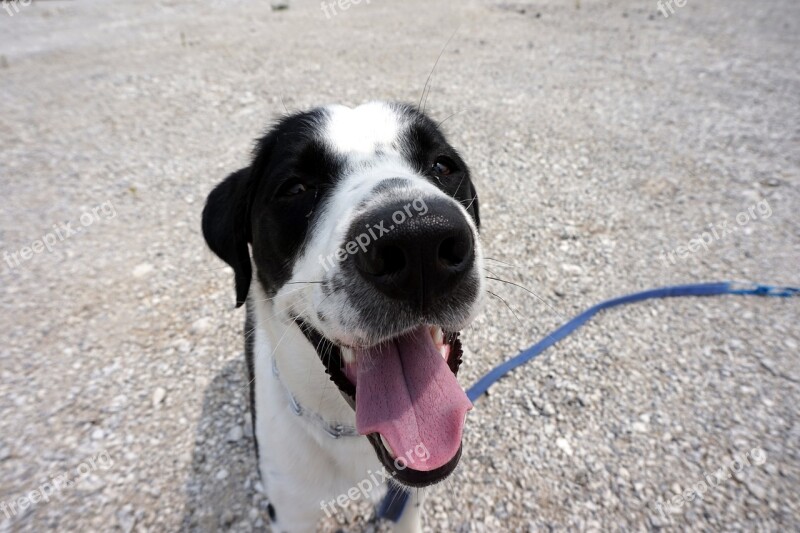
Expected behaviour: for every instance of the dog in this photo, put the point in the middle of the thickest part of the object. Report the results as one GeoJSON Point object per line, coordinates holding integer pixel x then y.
{"type": "Point", "coordinates": [353, 238]}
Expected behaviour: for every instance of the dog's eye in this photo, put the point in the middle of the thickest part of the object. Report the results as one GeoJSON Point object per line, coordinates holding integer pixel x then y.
{"type": "Point", "coordinates": [443, 167]}
{"type": "Point", "coordinates": [292, 188]}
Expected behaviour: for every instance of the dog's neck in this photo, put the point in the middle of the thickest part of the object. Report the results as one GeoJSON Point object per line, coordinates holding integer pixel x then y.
{"type": "Point", "coordinates": [282, 344]}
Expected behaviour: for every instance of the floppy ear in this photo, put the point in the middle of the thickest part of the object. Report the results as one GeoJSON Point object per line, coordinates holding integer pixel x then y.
{"type": "Point", "coordinates": [226, 227]}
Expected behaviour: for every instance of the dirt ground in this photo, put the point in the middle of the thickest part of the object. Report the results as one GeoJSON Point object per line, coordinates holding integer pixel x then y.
{"type": "Point", "coordinates": [605, 139]}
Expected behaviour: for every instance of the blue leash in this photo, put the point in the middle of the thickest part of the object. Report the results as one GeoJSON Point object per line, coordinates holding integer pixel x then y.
{"type": "Point", "coordinates": [393, 504]}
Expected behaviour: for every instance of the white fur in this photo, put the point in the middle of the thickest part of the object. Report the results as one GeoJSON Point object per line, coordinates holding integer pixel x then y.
{"type": "Point", "coordinates": [361, 131]}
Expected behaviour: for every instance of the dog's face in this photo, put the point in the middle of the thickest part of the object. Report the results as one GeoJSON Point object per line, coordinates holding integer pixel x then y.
{"type": "Point", "coordinates": [363, 225]}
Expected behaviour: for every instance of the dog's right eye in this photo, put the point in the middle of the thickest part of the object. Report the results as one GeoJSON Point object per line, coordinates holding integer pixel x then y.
{"type": "Point", "coordinates": [292, 188]}
{"type": "Point", "coordinates": [443, 166]}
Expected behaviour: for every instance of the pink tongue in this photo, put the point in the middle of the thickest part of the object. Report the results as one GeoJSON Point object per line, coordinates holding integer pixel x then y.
{"type": "Point", "coordinates": [406, 392]}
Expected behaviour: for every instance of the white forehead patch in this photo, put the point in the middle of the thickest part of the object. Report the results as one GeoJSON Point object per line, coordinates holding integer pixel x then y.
{"type": "Point", "coordinates": [363, 130]}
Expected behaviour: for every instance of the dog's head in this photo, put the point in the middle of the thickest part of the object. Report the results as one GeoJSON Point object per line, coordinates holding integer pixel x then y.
{"type": "Point", "coordinates": [363, 225]}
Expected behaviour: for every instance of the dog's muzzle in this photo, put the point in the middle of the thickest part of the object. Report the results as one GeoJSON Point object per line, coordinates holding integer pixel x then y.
{"type": "Point", "coordinates": [412, 278]}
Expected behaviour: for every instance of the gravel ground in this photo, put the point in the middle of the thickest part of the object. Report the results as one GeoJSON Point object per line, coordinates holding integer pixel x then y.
{"type": "Point", "coordinates": [603, 137]}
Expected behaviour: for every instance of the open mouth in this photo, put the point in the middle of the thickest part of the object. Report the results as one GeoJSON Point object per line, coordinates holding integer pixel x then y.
{"type": "Point", "coordinates": [406, 398]}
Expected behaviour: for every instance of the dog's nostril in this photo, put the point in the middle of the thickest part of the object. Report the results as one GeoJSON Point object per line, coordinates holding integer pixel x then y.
{"type": "Point", "coordinates": [382, 260]}
{"type": "Point", "coordinates": [394, 260]}
{"type": "Point", "coordinates": [453, 251]}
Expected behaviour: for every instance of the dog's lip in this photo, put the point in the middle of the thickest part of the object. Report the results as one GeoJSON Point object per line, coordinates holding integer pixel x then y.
{"type": "Point", "coordinates": [407, 475]}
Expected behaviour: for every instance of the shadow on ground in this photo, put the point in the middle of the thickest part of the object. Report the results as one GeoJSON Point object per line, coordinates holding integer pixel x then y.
{"type": "Point", "coordinates": [223, 491]}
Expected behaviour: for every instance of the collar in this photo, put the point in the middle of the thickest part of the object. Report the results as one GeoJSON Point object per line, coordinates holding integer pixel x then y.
{"type": "Point", "coordinates": [334, 430]}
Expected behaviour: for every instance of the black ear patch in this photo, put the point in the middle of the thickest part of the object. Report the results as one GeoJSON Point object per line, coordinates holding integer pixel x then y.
{"type": "Point", "coordinates": [227, 229]}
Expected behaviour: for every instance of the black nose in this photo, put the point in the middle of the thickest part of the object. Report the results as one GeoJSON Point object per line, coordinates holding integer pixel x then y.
{"type": "Point", "coordinates": [416, 255]}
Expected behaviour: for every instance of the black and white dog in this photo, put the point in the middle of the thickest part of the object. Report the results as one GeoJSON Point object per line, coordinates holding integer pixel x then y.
{"type": "Point", "coordinates": [353, 236]}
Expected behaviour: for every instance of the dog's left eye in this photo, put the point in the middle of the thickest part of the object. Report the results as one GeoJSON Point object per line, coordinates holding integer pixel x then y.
{"type": "Point", "coordinates": [292, 188]}
{"type": "Point", "coordinates": [443, 167]}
